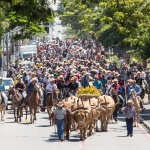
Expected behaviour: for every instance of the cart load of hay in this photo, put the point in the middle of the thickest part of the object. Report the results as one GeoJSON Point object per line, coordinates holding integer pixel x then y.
{"type": "Point", "coordinates": [88, 92]}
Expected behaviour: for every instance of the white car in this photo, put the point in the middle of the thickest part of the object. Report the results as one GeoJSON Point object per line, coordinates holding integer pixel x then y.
{"type": "Point", "coordinates": [8, 82]}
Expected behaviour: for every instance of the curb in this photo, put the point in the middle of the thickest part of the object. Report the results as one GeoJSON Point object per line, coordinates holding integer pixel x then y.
{"type": "Point", "coordinates": [147, 125]}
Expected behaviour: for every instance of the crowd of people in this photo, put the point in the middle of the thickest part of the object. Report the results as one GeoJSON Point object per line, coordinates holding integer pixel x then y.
{"type": "Point", "coordinates": [78, 63]}
{"type": "Point", "coordinates": [75, 63]}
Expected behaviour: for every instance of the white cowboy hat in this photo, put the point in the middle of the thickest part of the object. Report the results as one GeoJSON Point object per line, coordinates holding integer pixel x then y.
{"type": "Point", "coordinates": [33, 79]}
{"type": "Point", "coordinates": [115, 80]}
{"type": "Point", "coordinates": [60, 104]}
{"type": "Point", "coordinates": [129, 102]}
{"type": "Point", "coordinates": [52, 79]}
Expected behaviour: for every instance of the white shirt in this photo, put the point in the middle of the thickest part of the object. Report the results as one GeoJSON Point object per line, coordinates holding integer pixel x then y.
{"type": "Point", "coordinates": [46, 80]}
{"type": "Point", "coordinates": [50, 87]}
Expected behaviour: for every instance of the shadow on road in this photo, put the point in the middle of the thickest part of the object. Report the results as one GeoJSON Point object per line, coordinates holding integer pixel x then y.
{"type": "Point", "coordinates": [43, 126]}
{"type": "Point", "coordinates": [122, 136]}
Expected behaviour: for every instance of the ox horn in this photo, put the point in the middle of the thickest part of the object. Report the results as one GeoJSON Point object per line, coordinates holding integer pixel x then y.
{"type": "Point", "coordinates": [74, 112]}
{"type": "Point", "coordinates": [102, 108]}
{"type": "Point", "coordinates": [87, 111]}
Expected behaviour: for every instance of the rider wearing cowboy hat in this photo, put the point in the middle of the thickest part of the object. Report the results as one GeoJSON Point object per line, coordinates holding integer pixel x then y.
{"type": "Point", "coordinates": [49, 89]}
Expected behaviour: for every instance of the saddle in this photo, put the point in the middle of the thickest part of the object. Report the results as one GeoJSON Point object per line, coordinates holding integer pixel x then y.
{"type": "Point", "coordinates": [18, 96]}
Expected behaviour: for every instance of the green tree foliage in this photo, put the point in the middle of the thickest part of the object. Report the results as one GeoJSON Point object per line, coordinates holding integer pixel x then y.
{"type": "Point", "coordinates": [27, 15]}
{"type": "Point", "coordinates": [113, 22]}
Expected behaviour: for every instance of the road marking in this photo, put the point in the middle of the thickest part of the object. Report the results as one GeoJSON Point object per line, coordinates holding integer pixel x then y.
{"type": "Point", "coordinates": [144, 132]}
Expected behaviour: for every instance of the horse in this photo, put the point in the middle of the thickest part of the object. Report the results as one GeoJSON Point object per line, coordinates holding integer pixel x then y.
{"type": "Point", "coordinates": [33, 102]}
{"type": "Point", "coordinates": [16, 103]}
{"type": "Point", "coordinates": [115, 97]}
{"type": "Point", "coordinates": [148, 90]}
{"type": "Point", "coordinates": [64, 93]}
{"type": "Point", "coordinates": [2, 107]}
{"type": "Point", "coordinates": [136, 104]}
{"type": "Point", "coordinates": [51, 103]}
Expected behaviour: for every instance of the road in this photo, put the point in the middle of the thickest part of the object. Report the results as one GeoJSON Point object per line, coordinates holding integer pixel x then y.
{"type": "Point", "coordinates": [40, 136]}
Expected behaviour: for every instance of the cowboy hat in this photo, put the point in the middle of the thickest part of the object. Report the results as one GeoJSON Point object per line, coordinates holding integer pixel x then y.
{"type": "Point", "coordinates": [52, 79]}
{"type": "Point", "coordinates": [130, 80]}
{"type": "Point", "coordinates": [33, 79]}
{"type": "Point", "coordinates": [129, 102]}
{"type": "Point", "coordinates": [115, 80]}
{"type": "Point", "coordinates": [60, 104]}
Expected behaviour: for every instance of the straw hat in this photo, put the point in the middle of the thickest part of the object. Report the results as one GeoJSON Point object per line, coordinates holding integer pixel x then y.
{"type": "Point", "coordinates": [60, 104]}
{"type": "Point", "coordinates": [52, 79]}
{"type": "Point", "coordinates": [129, 102]}
{"type": "Point", "coordinates": [33, 79]}
{"type": "Point", "coordinates": [115, 80]}
{"type": "Point", "coordinates": [130, 80]}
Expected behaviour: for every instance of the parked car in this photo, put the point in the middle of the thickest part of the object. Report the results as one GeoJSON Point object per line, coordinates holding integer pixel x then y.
{"type": "Point", "coordinates": [8, 82]}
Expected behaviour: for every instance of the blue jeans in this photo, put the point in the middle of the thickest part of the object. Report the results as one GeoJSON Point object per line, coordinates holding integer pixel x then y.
{"type": "Point", "coordinates": [129, 123]}
{"type": "Point", "coordinates": [60, 128]}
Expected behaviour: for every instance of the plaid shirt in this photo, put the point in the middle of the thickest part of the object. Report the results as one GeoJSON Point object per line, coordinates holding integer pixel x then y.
{"type": "Point", "coordinates": [129, 112]}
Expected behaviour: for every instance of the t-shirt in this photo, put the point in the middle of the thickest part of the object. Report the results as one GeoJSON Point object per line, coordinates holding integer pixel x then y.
{"type": "Point", "coordinates": [73, 86]}
{"type": "Point", "coordinates": [20, 86]}
{"type": "Point", "coordinates": [50, 87]}
{"type": "Point", "coordinates": [97, 84]}
{"type": "Point", "coordinates": [60, 113]}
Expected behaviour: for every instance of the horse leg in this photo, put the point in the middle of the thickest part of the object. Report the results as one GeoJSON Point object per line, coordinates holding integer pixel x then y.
{"type": "Point", "coordinates": [31, 115]}
{"type": "Point", "coordinates": [1, 115]}
{"type": "Point", "coordinates": [35, 109]}
{"type": "Point", "coordinates": [148, 98]}
{"type": "Point", "coordinates": [20, 110]}
{"type": "Point", "coordinates": [48, 111]}
{"type": "Point", "coordinates": [26, 112]}
{"type": "Point", "coordinates": [15, 115]}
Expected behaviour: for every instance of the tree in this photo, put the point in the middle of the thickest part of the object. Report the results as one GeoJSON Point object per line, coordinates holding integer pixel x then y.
{"type": "Point", "coordinates": [113, 22]}
{"type": "Point", "coordinates": [27, 15]}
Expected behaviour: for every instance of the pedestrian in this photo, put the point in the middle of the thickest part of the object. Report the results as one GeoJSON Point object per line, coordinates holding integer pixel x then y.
{"type": "Point", "coordinates": [130, 114]}
{"type": "Point", "coordinates": [59, 119]}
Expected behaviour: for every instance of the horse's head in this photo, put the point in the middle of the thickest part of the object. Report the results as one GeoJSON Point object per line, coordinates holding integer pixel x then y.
{"type": "Point", "coordinates": [113, 92]}
{"type": "Point", "coordinates": [11, 89]}
{"type": "Point", "coordinates": [36, 88]}
{"type": "Point", "coordinates": [132, 94]}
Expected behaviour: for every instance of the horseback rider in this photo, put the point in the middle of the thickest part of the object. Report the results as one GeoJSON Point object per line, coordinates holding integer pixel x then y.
{"type": "Point", "coordinates": [30, 87]}
{"type": "Point", "coordinates": [3, 91]}
{"type": "Point", "coordinates": [116, 87]}
{"type": "Point", "coordinates": [73, 86]}
{"type": "Point", "coordinates": [21, 87]}
{"type": "Point", "coordinates": [137, 89]}
{"type": "Point", "coordinates": [49, 89]}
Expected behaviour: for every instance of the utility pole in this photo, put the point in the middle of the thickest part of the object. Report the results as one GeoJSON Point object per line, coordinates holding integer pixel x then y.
{"type": "Point", "coordinates": [7, 51]}
{"type": "Point", "coordinates": [12, 49]}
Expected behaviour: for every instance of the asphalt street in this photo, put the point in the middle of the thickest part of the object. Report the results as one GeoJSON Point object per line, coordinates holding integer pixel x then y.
{"type": "Point", "coordinates": [40, 136]}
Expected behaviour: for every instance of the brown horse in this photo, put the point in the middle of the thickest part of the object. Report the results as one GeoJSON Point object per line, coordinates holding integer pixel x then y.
{"type": "Point", "coordinates": [136, 104]}
{"type": "Point", "coordinates": [115, 97]}
{"type": "Point", "coordinates": [33, 103]}
{"type": "Point", "coordinates": [148, 90]}
{"type": "Point", "coordinates": [16, 103]}
{"type": "Point", "coordinates": [2, 108]}
{"type": "Point", "coordinates": [51, 103]}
